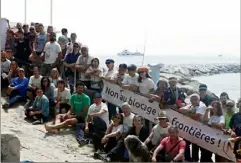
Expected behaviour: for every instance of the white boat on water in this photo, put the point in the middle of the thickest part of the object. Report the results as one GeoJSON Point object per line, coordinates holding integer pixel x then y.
{"type": "Point", "coordinates": [128, 53]}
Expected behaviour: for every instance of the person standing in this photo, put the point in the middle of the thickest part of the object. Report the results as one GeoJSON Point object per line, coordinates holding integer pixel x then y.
{"type": "Point", "coordinates": [51, 55]}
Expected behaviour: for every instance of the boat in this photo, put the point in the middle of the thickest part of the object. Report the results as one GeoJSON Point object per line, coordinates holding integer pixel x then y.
{"type": "Point", "coordinates": [128, 53]}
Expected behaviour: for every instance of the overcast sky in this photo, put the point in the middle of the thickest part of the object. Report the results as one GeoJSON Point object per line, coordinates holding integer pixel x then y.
{"type": "Point", "coordinates": [173, 27]}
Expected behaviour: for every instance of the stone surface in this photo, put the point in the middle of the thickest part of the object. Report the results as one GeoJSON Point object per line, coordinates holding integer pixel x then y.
{"type": "Point", "coordinates": [10, 148]}
{"type": "Point", "coordinates": [37, 146]}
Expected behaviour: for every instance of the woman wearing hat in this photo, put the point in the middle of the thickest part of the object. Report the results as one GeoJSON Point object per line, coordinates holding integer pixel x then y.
{"type": "Point", "coordinates": [145, 83]}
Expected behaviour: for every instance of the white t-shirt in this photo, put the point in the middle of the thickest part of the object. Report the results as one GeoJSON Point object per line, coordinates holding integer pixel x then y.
{"type": "Point", "coordinates": [216, 119]}
{"type": "Point", "coordinates": [52, 51]}
{"type": "Point", "coordinates": [146, 85]}
{"type": "Point", "coordinates": [84, 60]}
{"type": "Point", "coordinates": [158, 133]}
{"type": "Point", "coordinates": [117, 128]}
{"type": "Point", "coordinates": [129, 80]}
{"type": "Point", "coordinates": [35, 81]}
{"type": "Point", "coordinates": [110, 74]}
{"type": "Point", "coordinates": [65, 95]}
{"type": "Point", "coordinates": [96, 108]}
{"type": "Point", "coordinates": [198, 110]}
{"type": "Point", "coordinates": [5, 66]}
{"type": "Point", "coordinates": [128, 121]}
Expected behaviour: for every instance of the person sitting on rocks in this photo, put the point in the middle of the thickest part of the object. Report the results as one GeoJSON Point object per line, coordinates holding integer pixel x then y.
{"type": "Point", "coordinates": [54, 76]}
{"type": "Point", "coordinates": [48, 89]}
{"type": "Point", "coordinates": [80, 103]}
{"type": "Point", "coordinates": [17, 89]}
{"type": "Point", "coordinates": [173, 146]}
{"type": "Point", "coordinates": [62, 96]}
{"type": "Point", "coordinates": [34, 82]}
{"type": "Point", "coordinates": [159, 131]}
{"type": "Point", "coordinates": [174, 97]}
{"type": "Point", "coordinates": [130, 81]}
{"type": "Point", "coordinates": [113, 133]}
{"type": "Point", "coordinates": [5, 68]}
{"type": "Point", "coordinates": [13, 71]}
{"type": "Point", "coordinates": [97, 121]}
{"type": "Point", "coordinates": [39, 111]}
{"type": "Point", "coordinates": [158, 95]}
{"type": "Point", "coordinates": [128, 116]}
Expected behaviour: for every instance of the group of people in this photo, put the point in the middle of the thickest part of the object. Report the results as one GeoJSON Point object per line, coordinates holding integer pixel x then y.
{"type": "Point", "coordinates": [65, 83]}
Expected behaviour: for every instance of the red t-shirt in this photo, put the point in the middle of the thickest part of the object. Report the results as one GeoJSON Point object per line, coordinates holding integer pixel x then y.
{"type": "Point", "coordinates": [168, 144]}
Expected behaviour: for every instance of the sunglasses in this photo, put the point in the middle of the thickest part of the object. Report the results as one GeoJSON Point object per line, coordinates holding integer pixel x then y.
{"type": "Point", "coordinates": [141, 72]}
{"type": "Point", "coordinates": [75, 46]}
{"type": "Point", "coordinates": [31, 29]}
{"type": "Point", "coordinates": [230, 106]}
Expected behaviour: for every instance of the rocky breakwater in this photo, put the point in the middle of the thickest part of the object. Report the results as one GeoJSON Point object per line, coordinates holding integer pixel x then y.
{"type": "Point", "coordinates": [202, 69]}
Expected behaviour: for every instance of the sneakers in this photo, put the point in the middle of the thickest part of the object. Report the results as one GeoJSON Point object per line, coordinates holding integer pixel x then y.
{"type": "Point", "coordinates": [102, 156]}
{"type": "Point", "coordinates": [82, 142]}
{"type": "Point", "coordinates": [5, 106]}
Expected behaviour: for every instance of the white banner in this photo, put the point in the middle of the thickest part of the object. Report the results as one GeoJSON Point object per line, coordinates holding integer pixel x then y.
{"type": "Point", "coordinates": [209, 138]}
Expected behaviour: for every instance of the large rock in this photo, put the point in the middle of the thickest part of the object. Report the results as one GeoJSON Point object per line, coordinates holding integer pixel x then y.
{"type": "Point", "coordinates": [10, 148]}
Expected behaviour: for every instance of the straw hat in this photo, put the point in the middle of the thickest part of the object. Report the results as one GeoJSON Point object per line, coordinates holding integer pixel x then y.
{"type": "Point", "coordinates": [162, 115]}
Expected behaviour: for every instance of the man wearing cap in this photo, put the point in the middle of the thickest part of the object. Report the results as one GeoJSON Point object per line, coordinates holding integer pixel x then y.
{"type": "Point", "coordinates": [110, 64]}
{"type": "Point", "coordinates": [97, 121]}
{"type": "Point", "coordinates": [120, 75]}
{"type": "Point", "coordinates": [82, 64]}
{"type": "Point", "coordinates": [18, 89]}
{"type": "Point", "coordinates": [204, 96]}
{"type": "Point", "coordinates": [206, 156]}
{"type": "Point", "coordinates": [174, 96]}
{"type": "Point", "coordinates": [130, 81]}
{"type": "Point", "coordinates": [51, 54]}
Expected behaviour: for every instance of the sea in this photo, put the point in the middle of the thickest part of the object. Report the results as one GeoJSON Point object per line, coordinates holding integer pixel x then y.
{"type": "Point", "coordinates": [229, 82]}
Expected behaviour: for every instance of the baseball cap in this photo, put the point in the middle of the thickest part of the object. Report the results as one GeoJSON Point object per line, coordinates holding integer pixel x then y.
{"type": "Point", "coordinates": [123, 65]}
{"type": "Point", "coordinates": [203, 87]}
{"type": "Point", "coordinates": [97, 95]}
{"type": "Point", "coordinates": [108, 61]}
{"type": "Point", "coordinates": [131, 67]}
{"type": "Point", "coordinates": [172, 79]}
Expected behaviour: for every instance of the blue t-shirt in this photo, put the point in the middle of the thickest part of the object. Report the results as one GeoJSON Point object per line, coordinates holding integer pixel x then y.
{"type": "Point", "coordinates": [71, 58]}
{"type": "Point", "coordinates": [22, 85]}
{"type": "Point", "coordinates": [41, 40]}
{"type": "Point", "coordinates": [235, 123]}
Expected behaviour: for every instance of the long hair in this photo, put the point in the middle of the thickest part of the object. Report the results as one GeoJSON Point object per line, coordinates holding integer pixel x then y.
{"type": "Point", "coordinates": [219, 108]}
{"type": "Point", "coordinates": [140, 79]}
{"type": "Point", "coordinates": [166, 84]}
{"type": "Point", "coordinates": [138, 116]}
{"type": "Point", "coordinates": [42, 82]}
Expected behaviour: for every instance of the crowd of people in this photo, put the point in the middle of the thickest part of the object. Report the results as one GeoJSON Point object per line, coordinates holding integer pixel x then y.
{"type": "Point", "coordinates": [60, 80]}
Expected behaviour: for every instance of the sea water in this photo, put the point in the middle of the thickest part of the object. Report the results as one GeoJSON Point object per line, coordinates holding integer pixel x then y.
{"type": "Point", "coordinates": [229, 83]}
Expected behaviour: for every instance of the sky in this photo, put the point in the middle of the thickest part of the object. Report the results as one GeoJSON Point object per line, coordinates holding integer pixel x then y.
{"type": "Point", "coordinates": [170, 27]}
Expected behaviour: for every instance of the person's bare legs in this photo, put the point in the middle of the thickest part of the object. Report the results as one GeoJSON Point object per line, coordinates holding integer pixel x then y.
{"type": "Point", "coordinates": [57, 120]}
{"type": "Point", "coordinates": [61, 125]}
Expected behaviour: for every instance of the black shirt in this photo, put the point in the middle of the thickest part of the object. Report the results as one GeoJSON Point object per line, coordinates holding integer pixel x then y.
{"type": "Point", "coordinates": [144, 133]}
{"type": "Point", "coordinates": [22, 50]}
